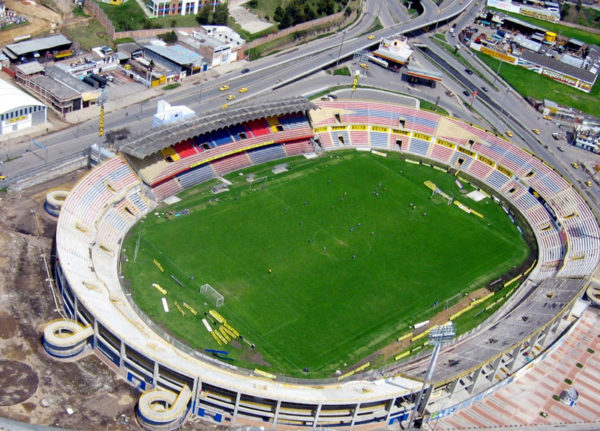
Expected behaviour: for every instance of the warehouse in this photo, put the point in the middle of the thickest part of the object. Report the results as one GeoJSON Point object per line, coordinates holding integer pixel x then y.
{"type": "Point", "coordinates": [18, 110]}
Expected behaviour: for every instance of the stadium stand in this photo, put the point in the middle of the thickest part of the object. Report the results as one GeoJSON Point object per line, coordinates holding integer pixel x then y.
{"type": "Point", "coordinates": [378, 139]}
{"type": "Point", "coordinates": [359, 137]}
{"type": "Point", "coordinates": [197, 175]}
{"type": "Point", "coordinates": [266, 154]}
{"type": "Point", "coordinates": [166, 189]}
{"type": "Point", "coordinates": [441, 153]}
{"type": "Point", "coordinates": [185, 148]}
{"type": "Point", "coordinates": [231, 163]}
{"type": "Point", "coordinates": [419, 147]}
{"type": "Point", "coordinates": [295, 148]}
{"type": "Point", "coordinates": [496, 180]}
{"type": "Point", "coordinates": [110, 199]}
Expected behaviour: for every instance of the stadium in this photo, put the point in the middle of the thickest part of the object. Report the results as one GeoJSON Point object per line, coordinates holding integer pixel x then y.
{"type": "Point", "coordinates": [178, 382]}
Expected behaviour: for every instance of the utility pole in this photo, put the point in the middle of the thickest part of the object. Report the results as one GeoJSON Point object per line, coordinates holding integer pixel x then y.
{"type": "Point", "coordinates": [340, 52]}
{"type": "Point", "coordinates": [103, 97]}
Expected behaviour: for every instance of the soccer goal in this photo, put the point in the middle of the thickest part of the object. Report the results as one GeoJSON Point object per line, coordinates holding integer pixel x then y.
{"type": "Point", "coordinates": [212, 295]}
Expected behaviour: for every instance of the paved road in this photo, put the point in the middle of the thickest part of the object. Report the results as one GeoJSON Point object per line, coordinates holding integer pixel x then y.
{"type": "Point", "coordinates": [265, 75]}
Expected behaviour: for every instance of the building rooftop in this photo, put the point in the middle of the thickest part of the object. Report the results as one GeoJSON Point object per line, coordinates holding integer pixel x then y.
{"type": "Point", "coordinates": [523, 41]}
{"type": "Point", "coordinates": [559, 66]}
{"type": "Point", "coordinates": [67, 80]}
{"type": "Point", "coordinates": [523, 23]}
{"type": "Point", "coordinates": [11, 98]}
{"type": "Point", "coordinates": [177, 54]}
{"type": "Point", "coordinates": [30, 68]}
{"type": "Point", "coordinates": [425, 73]}
{"type": "Point", "coordinates": [33, 45]}
{"type": "Point", "coordinates": [149, 142]}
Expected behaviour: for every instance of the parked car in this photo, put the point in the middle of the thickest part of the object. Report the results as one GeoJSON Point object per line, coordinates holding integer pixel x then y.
{"type": "Point", "coordinates": [484, 89]}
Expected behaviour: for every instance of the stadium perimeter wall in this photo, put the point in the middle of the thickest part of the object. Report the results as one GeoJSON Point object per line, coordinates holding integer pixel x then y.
{"type": "Point", "coordinates": [218, 393]}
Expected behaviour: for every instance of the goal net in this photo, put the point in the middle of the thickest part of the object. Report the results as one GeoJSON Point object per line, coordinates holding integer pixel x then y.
{"type": "Point", "coordinates": [212, 295]}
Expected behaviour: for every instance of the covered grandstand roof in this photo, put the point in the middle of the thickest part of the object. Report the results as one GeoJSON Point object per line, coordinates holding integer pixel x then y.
{"type": "Point", "coordinates": [149, 142]}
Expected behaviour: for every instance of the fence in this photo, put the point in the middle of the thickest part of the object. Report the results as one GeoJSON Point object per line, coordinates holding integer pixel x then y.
{"type": "Point", "coordinates": [101, 17]}
{"type": "Point", "coordinates": [48, 170]}
{"type": "Point", "coordinates": [99, 14]}
{"type": "Point", "coordinates": [151, 32]}
{"type": "Point", "coordinates": [298, 27]}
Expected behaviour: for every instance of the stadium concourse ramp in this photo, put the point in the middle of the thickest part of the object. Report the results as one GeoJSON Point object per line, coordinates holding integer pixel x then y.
{"type": "Point", "coordinates": [177, 383]}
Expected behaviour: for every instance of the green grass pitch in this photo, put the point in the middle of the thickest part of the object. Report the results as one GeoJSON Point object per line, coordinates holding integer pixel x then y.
{"type": "Point", "coordinates": [352, 264]}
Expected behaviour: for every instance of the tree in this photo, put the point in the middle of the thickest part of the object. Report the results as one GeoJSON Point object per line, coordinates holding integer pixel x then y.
{"type": "Point", "coordinates": [286, 20]}
{"type": "Point", "coordinates": [278, 14]}
{"type": "Point", "coordinates": [169, 37]}
{"type": "Point", "coordinates": [221, 14]}
{"type": "Point", "coordinates": [309, 13]}
{"type": "Point", "coordinates": [203, 16]}
{"type": "Point", "coordinates": [146, 23]}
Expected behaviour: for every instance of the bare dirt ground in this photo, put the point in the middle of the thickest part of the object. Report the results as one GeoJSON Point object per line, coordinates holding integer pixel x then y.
{"type": "Point", "coordinates": [42, 19]}
{"type": "Point", "coordinates": [33, 387]}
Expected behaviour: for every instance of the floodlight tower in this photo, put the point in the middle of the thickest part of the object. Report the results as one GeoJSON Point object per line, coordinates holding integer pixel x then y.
{"type": "Point", "coordinates": [438, 336]}
{"type": "Point", "coordinates": [103, 97]}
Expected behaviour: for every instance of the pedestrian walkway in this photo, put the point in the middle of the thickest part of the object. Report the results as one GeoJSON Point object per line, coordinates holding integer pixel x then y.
{"type": "Point", "coordinates": [528, 401]}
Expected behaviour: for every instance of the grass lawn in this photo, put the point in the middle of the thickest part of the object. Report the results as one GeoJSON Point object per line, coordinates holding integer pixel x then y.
{"type": "Point", "coordinates": [530, 84]}
{"type": "Point", "coordinates": [344, 71]}
{"type": "Point", "coordinates": [266, 8]}
{"type": "Point", "coordinates": [269, 47]}
{"type": "Point", "coordinates": [89, 35]}
{"type": "Point", "coordinates": [582, 35]}
{"type": "Point", "coordinates": [353, 266]}
{"type": "Point", "coordinates": [130, 16]}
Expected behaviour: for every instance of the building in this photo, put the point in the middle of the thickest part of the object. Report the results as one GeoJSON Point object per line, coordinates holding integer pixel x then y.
{"type": "Point", "coordinates": [175, 7]}
{"type": "Point", "coordinates": [179, 60]}
{"type": "Point", "coordinates": [564, 71]}
{"type": "Point", "coordinates": [167, 114]}
{"type": "Point", "coordinates": [62, 91]}
{"type": "Point", "coordinates": [18, 110]}
{"type": "Point", "coordinates": [396, 51]}
{"type": "Point", "coordinates": [568, 61]}
{"type": "Point", "coordinates": [416, 75]}
{"type": "Point", "coordinates": [587, 136]}
{"type": "Point", "coordinates": [218, 44]}
{"type": "Point", "coordinates": [213, 51]}
{"type": "Point", "coordinates": [224, 34]}
{"type": "Point", "coordinates": [36, 48]}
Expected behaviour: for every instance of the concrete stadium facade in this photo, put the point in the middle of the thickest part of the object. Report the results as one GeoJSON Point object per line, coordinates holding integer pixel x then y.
{"type": "Point", "coordinates": [114, 196]}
